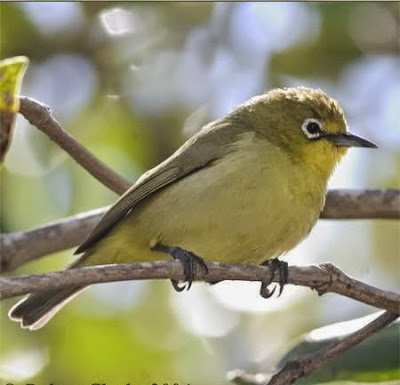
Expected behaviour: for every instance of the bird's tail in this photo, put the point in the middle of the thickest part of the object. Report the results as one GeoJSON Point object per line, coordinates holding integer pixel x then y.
{"type": "Point", "coordinates": [35, 310]}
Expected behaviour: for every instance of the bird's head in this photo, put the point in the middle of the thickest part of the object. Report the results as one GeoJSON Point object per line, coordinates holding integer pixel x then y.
{"type": "Point", "coordinates": [306, 123]}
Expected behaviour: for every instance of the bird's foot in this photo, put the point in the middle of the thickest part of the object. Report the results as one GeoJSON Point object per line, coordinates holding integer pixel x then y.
{"type": "Point", "coordinates": [189, 261]}
{"type": "Point", "coordinates": [276, 266]}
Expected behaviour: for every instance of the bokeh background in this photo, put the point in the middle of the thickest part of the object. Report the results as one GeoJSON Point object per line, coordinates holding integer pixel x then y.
{"type": "Point", "coordinates": [132, 81]}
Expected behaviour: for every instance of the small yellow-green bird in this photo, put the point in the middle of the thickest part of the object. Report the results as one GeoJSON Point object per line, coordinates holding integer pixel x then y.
{"type": "Point", "coordinates": [245, 189]}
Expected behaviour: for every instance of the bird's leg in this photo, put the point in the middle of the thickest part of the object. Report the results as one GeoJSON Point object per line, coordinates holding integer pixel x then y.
{"type": "Point", "coordinates": [188, 260]}
{"type": "Point", "coordinates": [276, 266]}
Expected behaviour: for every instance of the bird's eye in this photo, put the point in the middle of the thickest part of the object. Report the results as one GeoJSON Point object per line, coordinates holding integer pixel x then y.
{"type": "Point", "coordinates": [312, 128]}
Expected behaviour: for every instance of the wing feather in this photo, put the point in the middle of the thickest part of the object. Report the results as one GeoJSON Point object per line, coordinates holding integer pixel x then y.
{"type": "Point", "coordinates": [126, 203]}
{"type": "Point", "coordinates": [198, 152]}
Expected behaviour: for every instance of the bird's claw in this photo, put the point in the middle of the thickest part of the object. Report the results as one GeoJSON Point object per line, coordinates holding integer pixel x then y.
{"type": "Point", "coordinates": [189, 262]}
{"type": "Point", "coordinates": [276, 266]}
{"type": "Point", "coordinates": [265, 292]}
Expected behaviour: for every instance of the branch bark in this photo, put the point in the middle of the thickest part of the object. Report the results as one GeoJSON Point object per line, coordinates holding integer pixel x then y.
{"type": "Point", "coordinates": [362, 204]}
{"type": "Point", "coordinates": [23, 246]}
{"type": "Point", "coordinates": [323, 278]}
{"type": "Point", "coordinates": [295, 369]}
{"type": "Point", "coordinates": [40, 116]}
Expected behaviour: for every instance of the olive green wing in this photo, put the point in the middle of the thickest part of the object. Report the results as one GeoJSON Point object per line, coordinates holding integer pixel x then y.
{"type": "Point", "coordinates": [198, 152]}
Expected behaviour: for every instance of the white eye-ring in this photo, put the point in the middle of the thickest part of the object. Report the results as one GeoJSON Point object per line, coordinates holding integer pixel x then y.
{"type": "Point", "coordinates": [312, 128]}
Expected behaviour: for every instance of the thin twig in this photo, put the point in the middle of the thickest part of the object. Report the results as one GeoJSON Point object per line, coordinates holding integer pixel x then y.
{"type": "Point", "coordinates": [301, 367]}
{"type": "Point", "coordinates": [295, 369]}
{"type": "Point", "coordinates": [40, 116]}
{"type": "Point", "coordinates": [23, 246]}
{"type": "Point", "coordinates": [323, 278]}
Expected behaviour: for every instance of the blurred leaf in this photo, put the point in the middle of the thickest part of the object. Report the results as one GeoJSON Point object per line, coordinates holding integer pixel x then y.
{"type": "Point", "coordinates": [15, 39]}
{"type": "Point", "coordinates": [11, 74]}
{"type": "Point", "coordinates": [375, 360]}
{"type": "Point", "coordinates": [328, 54]}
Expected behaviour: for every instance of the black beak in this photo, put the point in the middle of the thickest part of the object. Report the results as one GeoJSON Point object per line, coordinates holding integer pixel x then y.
{"type": "Point", "coordinates": [349, 140]}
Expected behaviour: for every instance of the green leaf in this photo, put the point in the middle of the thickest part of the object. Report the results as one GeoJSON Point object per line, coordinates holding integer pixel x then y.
{"type": "Point", "coordinates": [11, 73]}
{"type": "Point", "coordinates": [375, 360]}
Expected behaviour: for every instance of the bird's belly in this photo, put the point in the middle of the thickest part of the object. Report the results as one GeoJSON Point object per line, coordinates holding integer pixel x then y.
{"type": "Point", "coordinates": [222, 213]}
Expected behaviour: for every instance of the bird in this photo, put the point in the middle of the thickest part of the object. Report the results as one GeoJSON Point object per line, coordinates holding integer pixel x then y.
{"type": "Point", "coordinates": [246, 188]}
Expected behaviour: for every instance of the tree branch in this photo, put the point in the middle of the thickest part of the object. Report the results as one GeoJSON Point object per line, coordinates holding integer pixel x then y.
{"type": "Point", "coordinates": [362, 204]}
{"type": "Point", "coordinates": [39, 115]}
{"type": "Point", "coordinates": [295, 369]}
{"type": "Point", "coordinates": [323, 278]}
{"type": "Point", "coordinates": [23, 246]}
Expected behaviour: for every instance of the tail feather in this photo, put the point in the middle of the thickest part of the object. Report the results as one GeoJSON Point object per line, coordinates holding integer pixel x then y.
{"type": "Point", "coordinates": [35, 310]}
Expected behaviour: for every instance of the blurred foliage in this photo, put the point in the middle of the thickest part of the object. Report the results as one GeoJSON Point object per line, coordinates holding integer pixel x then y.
{"type": "Point", "coordinates": [132, 81]}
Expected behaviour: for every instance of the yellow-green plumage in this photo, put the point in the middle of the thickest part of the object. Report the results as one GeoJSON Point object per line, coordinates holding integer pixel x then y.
{"type": "Point", "coordinates": [223, 213]}
{"type": "Point", "coordinates": [246, 188]}
{"type": "Point", "coordinates": [256, 201]}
